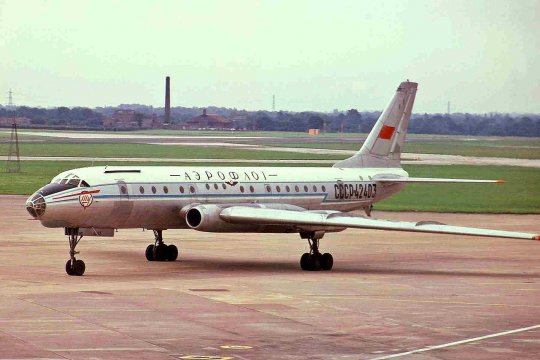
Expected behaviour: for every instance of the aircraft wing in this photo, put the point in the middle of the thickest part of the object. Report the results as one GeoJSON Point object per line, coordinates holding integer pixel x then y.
{"type": "Point", "coordinates": [323, 219]}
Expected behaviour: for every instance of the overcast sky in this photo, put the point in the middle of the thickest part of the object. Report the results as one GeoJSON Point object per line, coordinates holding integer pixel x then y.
{"type": "Point", "coordinates": [481, 56]}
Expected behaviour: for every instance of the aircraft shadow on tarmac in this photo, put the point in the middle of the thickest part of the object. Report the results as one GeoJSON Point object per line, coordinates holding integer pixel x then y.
{"type": "Point", "coordinates": [235, 265]}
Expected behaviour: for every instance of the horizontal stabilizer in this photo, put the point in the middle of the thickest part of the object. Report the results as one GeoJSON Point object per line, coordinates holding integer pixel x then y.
{"type": "Point", "coordinates": [435, 180]}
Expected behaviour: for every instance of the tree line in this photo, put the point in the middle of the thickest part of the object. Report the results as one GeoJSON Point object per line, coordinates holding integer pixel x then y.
{"type": "Point", "coordinates": [350, 121]}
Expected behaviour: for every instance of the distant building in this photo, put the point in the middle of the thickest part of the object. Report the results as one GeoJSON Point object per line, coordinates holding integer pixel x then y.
{"type": "Point", "coordinates": [130, 119]}
{"type": "Point", "coordinates": [209, 121]}
{"type": "Point", "coordinates": [312, 132]}
{"type": "Point", "coordinates": [21, 121]}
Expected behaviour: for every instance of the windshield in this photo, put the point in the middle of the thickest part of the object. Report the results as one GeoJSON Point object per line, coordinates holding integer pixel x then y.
{"type": "Point", "coordinates": [70, 179]}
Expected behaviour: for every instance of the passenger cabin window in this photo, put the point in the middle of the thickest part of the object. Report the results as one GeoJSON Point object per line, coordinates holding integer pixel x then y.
{"type": "Point", "coordinates": [305, 188]}
{"type": "Point", "coordinates": [224, 187]}
{"type": "Point", "coordinates": [314, 188]}
{"type": "Point", "coordinates": [165, 190]}
{"type": "Point", "coordinates": [207, 187]}
{"type": "Point", "coordinates": [268, 189]}
{"type": "Point", "coordinates": [288, 188]}
{"type": "Point", "coordinates": [252, 189]}
{"type": "Point", "coordinates": [192, 189]}
{"type": "Point", "coordinates": [216, 186]}
{"type": "Point", "coordinates": [241, 189]}
{"type": "Point", "coordinates": [181, 188]}
{"type": "Point", "coordinates": [123, 189]}
{"type": "Point", "coordinates": [296, 188]}
{"type": "Point", "coordinates": [154, 189]}
{"type": "Point", "coordinates": [323, 188]}
{"type": "Point", "coordinates": [141, 189]}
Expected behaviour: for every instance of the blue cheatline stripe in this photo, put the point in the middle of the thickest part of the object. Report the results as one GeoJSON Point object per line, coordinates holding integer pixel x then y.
{"type": "Point", "coordinates": [188, 196]}
{"type": "Point", "coordinates": [248, 196]}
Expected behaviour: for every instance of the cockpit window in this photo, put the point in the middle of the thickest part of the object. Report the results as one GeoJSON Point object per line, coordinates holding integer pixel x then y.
{"type": "Point", "coordinates": [74, 182]}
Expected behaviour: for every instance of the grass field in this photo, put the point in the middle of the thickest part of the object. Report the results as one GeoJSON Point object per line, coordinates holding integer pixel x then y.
{"type": "Point", "coordinates": [504, 148]}
{"type": "Point", "coordinates": [128, 150]}
{"type": "Point", "coordinates": [521, 193]}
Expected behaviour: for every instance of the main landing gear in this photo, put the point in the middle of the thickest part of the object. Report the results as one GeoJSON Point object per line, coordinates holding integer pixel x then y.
{"type": "Point", "coordinates": [74, 266]}
{"type": "Point", "coordinates": [314, 260]}
{"type": "Point", "coordinates": [160, 251]}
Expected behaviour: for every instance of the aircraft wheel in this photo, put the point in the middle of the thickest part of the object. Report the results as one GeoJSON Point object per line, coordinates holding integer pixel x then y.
{"type": "Point", "coordinates": [79, 267]}
{"type": "Point", "coordinates": [172, 252]}
{"type": "Point", "coordinates": [161, 252]}
{"type": "Point", "coordinates": [69, 269]}
{"type": "Point", "coordinates": [327, 261]}
{"type": "Point", "coordinates": [304, 262]}
{"type": "Point", "coordinates": [149, 252]}
{"type": "Point", "coordinates": [315, 262]}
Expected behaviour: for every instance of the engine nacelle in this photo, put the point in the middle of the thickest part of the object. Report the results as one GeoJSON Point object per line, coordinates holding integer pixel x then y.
{"type": "Point", "coordinates": [206, 218]}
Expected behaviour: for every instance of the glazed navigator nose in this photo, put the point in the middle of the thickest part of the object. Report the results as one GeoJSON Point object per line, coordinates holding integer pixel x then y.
{"type": "Point", "coordinates": [35, 205]}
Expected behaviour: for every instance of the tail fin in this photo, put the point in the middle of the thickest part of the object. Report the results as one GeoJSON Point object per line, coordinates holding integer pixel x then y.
{"type": "Point", "coordinates": [383, 145]}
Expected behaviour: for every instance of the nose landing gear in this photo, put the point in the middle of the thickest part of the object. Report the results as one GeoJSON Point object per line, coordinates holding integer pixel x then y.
{"type": "Point", "coordinates": [159, 251]}
{"type": "Point", "coordinates": [74, 266]}
{"type": "Point", "coordinates": [314, 260]}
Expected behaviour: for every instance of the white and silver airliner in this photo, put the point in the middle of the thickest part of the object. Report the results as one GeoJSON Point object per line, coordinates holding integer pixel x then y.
{"type": "Point", "coordinates": [94, 201]}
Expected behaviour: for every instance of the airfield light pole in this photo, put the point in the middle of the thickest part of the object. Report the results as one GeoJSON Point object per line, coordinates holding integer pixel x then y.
{"type": "Point", "coordinates": [14, 160]}
{"type": "Point", "coordinates": [273, 102]}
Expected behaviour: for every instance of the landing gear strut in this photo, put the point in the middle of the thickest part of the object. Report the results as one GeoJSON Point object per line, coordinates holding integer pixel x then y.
{"type": "Point", "coordinates": [74, 266]}
{"type": "Point", "coordinates": [159, 251]}
{"type": "Point", "coordinates": [314, 260]}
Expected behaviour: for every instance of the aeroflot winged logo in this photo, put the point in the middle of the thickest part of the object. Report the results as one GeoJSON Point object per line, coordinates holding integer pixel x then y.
{"type": "Point", "coordinates": [86, 200]}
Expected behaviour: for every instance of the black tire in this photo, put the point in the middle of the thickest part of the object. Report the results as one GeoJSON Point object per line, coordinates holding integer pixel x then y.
{"type": "Point", "coordinates": [149, 253]}
{"type": "Point", "coordinates": [79, 267]}
{"type": "Point", "coordinates": [327, 261]}
{"type": "Point", "coordinates": [161, 252]}
{"type": "Point", "coordinates": [315, 262]}
{"type": "Point", "coordinates": [304, 262]}
{"type": "Point", "coordinates": [69, 269]}
{"type": "Point", "coordinates": [172, 252]}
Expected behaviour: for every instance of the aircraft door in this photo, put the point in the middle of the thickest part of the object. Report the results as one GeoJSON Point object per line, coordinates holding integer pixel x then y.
{"type": "Point", "coordinates": [123, 190]}
{"type": "Point", "coordinates": [122, 208]}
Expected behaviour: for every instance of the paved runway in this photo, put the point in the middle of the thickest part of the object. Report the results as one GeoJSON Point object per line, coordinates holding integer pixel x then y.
{"type": "Point", "coordinates": [243, 296]}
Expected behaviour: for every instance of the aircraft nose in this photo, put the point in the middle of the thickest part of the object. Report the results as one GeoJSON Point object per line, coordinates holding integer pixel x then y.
{"type": "Point", "coordinates": [35, 205]}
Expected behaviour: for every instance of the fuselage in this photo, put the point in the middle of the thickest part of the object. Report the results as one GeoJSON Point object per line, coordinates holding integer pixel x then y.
{"type": "Point", "coordinates": [153, 197]}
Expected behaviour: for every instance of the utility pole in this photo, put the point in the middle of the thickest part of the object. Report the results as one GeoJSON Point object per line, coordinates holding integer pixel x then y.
{"type": "Point", "coordinates": [10, 100]}
{"type": "Point", "coordinates": [448, 108]}
{"type": "Point", "coordinates": [273, 102]}
{"type": "Point", "coordinates": [14, 160]}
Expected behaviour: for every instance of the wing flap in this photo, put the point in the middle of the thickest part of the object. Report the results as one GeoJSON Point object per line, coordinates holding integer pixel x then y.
{"type": "Point", "coordinates": [241, 214]}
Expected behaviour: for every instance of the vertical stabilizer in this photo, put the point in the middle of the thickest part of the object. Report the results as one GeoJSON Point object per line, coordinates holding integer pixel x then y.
{"type": "Point", "coordinates": [383, 145]}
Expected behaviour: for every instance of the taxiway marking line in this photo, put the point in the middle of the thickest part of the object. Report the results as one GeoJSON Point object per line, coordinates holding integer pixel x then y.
{"type": "Point", "coordinates": [455, 343]}
{"type": "Point", "coordinates": [157, 349]}
{"type": "Point", "coordinates": [426, 301]}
